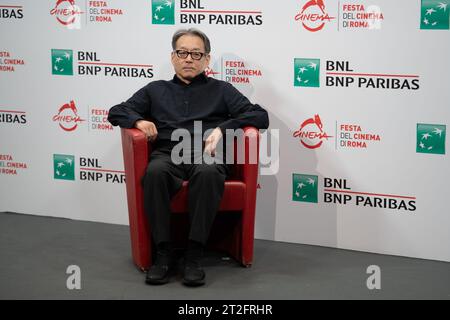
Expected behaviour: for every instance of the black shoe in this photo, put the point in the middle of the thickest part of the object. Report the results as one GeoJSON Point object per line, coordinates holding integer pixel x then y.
{"type": "Point", "coordinates": [194, 275]}
{"type": "Point", "coordinates": [159, 272]}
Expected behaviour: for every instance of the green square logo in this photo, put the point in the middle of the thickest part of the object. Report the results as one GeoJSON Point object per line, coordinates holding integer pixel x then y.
{"type": "Point", "coordinates": [63, 167]}
{"type": "Point", "coordinates": [62, 62]}
{"type": "Point", "coordinates": [306, 72]}
{"type": "Point", "coordinates": [163, 12]}
{"type": "Point", "coordinates": [434, 14]}
{"type": "Point", "coordinates": [304, 188]}
{"type": "Point", "coordinates": [430, 138]}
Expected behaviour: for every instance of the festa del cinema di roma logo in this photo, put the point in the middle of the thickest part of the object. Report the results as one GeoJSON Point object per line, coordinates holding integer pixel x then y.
{"type": "Point", "coordinates": [311, 133]}
{"type": "Point", "coordinates": [313, 15]}
{"type": "Point", "coordinates": [66, 12]}
{"type": "Point", "coordinates": [68, 117]}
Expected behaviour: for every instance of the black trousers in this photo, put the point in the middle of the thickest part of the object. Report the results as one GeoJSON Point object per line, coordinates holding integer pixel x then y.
{"type": "Point", "coordinates": [162, 181]}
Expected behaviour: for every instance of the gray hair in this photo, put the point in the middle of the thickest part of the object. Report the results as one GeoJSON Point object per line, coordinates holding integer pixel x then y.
{"type": "Point", "coordinates": [193, 32]}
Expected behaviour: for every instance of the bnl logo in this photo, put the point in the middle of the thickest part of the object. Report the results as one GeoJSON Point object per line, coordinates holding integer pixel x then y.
{"type": "Point", "coordinates": [63, 167]}
{"type": "Point", "coordinates": [304, 188]}
{"type": "Point", "coordinates": [62, 62]}
{"type": "Point", "coordinates": [435, 15]}
{"type": "Point", "coordinates": [430, 138]}
{"type": "Point", "coordinates": [163, 11]}
{"type": "Point", "coordinates": [306, 72]}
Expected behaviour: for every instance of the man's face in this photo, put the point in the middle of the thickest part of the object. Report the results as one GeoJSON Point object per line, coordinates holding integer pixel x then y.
{"type": "Point", "coordinates": [188, 68]}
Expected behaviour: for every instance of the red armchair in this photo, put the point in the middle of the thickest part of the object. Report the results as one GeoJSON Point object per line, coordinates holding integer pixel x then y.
{"type": "Point", "coordinates": [233, 230]}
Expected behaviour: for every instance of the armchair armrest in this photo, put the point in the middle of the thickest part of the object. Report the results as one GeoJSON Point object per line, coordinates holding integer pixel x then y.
{"type": "Point", "coordinates": [135, 154]}
{"type": "Point", "coordinates": [250, 178]}
{"type": "Point", "coordinates": [249, 168]}
{"type": "Point", "coordinates": [135, 148]}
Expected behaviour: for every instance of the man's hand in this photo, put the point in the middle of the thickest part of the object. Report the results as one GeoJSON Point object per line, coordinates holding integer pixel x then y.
{"type": "Point", "coordinates": [148, 128]}
{"type": "Point", "coordinates": [212, 140]}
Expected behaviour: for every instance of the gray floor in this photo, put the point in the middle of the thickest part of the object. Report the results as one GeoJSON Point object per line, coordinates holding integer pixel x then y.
{"type": "Point", "coordinates": [36, 251]}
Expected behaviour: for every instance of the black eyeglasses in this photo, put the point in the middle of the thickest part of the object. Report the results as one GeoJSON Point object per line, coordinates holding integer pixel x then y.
{"type": "Point", "coordinates": [195, 55]}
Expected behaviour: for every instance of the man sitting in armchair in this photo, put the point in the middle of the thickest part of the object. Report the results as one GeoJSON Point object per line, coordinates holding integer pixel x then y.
{"type": "Point", "coordinates": [160, 108]}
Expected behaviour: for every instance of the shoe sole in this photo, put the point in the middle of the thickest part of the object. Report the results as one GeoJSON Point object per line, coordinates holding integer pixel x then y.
{"type": "Point", "coordinates": [196, 283]}
{"type": "Point", "coordinates": [157, 281]}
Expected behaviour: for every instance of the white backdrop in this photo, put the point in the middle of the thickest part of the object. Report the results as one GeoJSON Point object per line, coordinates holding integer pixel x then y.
{"type": "Point", "coordinates": [405, 158]}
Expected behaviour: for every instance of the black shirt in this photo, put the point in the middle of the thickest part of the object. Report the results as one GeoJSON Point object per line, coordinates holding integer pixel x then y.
{"type": "Point", "coordinates": [175, 104]}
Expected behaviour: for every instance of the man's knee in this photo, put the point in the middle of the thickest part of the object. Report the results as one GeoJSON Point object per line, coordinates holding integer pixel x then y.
{"type": "Point", "coordinates": [157, 170]}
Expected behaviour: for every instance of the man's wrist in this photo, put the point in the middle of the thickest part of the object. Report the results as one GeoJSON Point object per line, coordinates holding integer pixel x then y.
{"type": "Point", "coordinates": [222, 130]}
{"type": "Point", "coordinates": [136, 123]}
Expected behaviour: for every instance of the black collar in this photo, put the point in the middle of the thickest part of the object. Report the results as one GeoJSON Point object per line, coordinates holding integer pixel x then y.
{"type": "Point", "coordinates": [202, 77]}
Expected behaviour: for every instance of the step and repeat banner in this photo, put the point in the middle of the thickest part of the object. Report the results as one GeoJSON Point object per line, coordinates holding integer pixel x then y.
{"type": "Point", "coordinates": [358, 91]}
